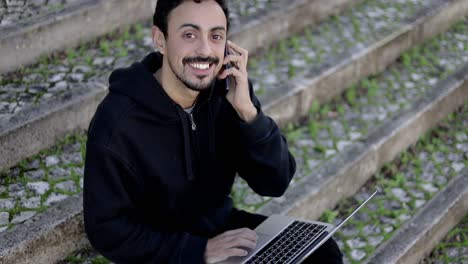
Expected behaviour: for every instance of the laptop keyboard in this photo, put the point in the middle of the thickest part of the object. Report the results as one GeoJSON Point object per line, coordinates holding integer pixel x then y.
{"type": "Point", "coordinates": [286, 246]}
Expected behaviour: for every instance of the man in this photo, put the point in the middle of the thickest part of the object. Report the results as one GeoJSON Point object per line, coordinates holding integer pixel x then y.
{"type": "Point", "coordinates": [167, 141]}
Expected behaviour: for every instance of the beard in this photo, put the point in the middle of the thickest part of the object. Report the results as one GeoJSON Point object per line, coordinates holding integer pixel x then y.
{"type": "Point", "coordinates": [195, 86]}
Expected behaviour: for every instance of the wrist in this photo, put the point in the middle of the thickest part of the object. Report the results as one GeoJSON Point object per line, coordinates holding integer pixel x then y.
{"type": "Point", "coordinates": [248, 114]}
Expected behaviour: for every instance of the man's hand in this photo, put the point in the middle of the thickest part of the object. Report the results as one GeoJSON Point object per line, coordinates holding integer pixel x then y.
{"type": "Point", "coordinates": [229, 244]}
{"type": "Point", "coordinates": [238, 94]}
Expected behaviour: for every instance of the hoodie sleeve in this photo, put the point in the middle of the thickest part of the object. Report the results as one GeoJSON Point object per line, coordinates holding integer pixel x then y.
{"type": "Point", "coordinates": [108, 210]}
{"type": "Point", "coordinates": [267, 165]}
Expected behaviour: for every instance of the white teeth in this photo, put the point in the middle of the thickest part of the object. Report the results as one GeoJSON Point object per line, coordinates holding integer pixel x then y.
{"type": "Point", "coordinates": [200, 66]}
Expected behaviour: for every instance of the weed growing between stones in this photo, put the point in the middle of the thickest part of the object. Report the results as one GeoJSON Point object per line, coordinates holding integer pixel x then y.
{"type": "Point", "coordinates": [406, 184]}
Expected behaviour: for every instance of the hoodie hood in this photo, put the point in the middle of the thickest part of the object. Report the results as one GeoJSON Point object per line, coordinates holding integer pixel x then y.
{"type": "Point", "coordinates": [138, 83]}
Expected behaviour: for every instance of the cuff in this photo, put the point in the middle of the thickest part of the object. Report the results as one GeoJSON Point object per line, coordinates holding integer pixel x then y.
{"type": "Point", "coordinates": [256, 130]}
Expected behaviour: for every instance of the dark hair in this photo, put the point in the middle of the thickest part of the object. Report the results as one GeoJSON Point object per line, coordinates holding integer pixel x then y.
{"type": "Point", "coordinates": [164, 8]}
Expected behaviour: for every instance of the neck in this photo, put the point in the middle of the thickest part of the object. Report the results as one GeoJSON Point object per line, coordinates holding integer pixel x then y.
{"type": "Point", "coordinates": [175, 89]}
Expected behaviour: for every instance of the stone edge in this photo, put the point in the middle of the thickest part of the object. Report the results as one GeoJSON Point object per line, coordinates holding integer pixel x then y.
{"type": "Point", "coordinates": [24, 46]}
{"type": "Point", "coordinates": [423, 232]}
{"type": "Point", "coordinates": [343, 175]}
{"type": "Point", "coordinates": [47, 237]}
{"type": "Point", "coordinates": [40, 127]}
{"type": "Point", "coordinates": [24, 43]}
{"type": "Point", "coordinates": [282, 21]}
{"type": "Point", "coordinates": [288, 103]}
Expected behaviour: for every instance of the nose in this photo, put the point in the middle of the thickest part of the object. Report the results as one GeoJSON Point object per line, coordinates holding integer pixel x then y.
{"type": "Point", "coordinates": [204, 48]}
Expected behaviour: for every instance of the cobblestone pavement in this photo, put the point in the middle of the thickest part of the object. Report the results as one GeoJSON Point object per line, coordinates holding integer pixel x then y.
{"type": "Point", "coordinates": [454, 247]}
{"type": "Point", "coordinates": [405, 185]}
{"type": "Point", "coordinates": [53, 76]}
{"type": "Point", "coordinates": [40, 181]}
{"type": "Point", "coordinates": [335, 38]}
{"type": "Point", "coordinates": [26, 190]}
{"type": "Point", "coordinates": [12, 11]}
{"type": "Point", "coordinates": [55, 174]}
{"type": "Point", "coordinates": [332, 127]}
{"type": "Point", "coordinates": [241, 10]}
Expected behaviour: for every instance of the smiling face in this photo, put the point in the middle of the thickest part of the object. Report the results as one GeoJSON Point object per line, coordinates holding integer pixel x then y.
{"type": "Point", "coordinates": [194, 46]}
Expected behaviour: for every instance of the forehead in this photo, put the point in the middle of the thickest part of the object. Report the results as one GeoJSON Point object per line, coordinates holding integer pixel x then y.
{"type": "Point", "coordinates": [206, 15]}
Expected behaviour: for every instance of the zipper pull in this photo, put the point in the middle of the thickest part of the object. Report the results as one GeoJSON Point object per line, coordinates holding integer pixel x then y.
{"type": "Point", "coordinates": [194, 126]}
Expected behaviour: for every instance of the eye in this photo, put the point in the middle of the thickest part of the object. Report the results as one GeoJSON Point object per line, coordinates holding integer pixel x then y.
{"type": "Point", "coordinates": [189, 35]}
{"type": "Point", "coordinates": [217, 37]}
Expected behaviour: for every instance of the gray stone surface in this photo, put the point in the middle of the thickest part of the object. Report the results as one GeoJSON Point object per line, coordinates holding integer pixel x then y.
{"type": "Point", "coordinates": [31, 203]}
{"type": "Point", "coordinates": [68, 186]}
{"type": "Point", "coordinates": [23, 216]}
{"type": "Point", "coordinates": [58, 173]}
{"type": "Point", "coordinates": [55, 198]}
{"type": "Point", "coordinates": [80, 61]}
{"type": "Point", "coordinates": [51, 161]}
{"type": "Point", "coordinates": [357, 254]}
{"type": "Point", "coordinates": [7, 204]}
{"type": "Point", "coordinates": [38, 188]}
{"type": "Point", "coordinates": [385, 151]}
{"type": "Point", "coordinates": [60, 225]}
{"type": "Point", "coordinates": [36, 174]}
{"type": "Point", "coordinates": [55, 24]}
{"type": "Point", "coordinates": [416, 238]}
{"type": "Point", "coordinates": [4, 218]}
{"type": "Point", "coordinates": [16, 190]}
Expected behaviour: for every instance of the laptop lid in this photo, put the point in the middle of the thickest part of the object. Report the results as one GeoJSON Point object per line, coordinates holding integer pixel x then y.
{"type": "Point", "coordinates": [276, 223]}
{"type": "Point", "coordinates": [330, 234]}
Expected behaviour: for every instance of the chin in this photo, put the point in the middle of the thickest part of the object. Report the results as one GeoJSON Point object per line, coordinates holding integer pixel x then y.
{"type": "Point", "coordinates": [200, 86]}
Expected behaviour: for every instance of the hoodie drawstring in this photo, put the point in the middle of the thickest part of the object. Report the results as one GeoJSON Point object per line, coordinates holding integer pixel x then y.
{"type": "Point", "coordinates": [187, 141]}
{"type": "Point", "coordinates": [187, 149]}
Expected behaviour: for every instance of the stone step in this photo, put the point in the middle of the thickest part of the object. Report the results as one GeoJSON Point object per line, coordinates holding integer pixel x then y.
{"type": "Point", "coordinates": [422, 195]}
{"type": "Point", "coordinates": [41, 103]}
{"type": "Point", "coordinates": [258, 24]}
{"type": "Point", "coordinates": [32, 28]}
{"type": "Point", "coordinates": [41, 205]}
{"type": "Point", "coordinates": [418, 237]}
{"type": "Point", "coordinates": [432, 86]}
{"type": "Point", "coordinates": [346, 140]}
{"type": "Point", "coordinates": [453, 248]}
{"type": "Point", "coordinates": [423, 191]}
{"type": "Point", "coordinates": [321, 62]}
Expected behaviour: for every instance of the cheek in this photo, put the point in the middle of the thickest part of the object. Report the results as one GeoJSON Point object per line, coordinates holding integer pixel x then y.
{"type": "Point", "coordinates": [177, 52]}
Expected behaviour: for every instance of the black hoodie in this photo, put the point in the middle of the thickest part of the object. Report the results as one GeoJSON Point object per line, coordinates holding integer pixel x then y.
{"type": "Point", "coordinates": [156, 185]}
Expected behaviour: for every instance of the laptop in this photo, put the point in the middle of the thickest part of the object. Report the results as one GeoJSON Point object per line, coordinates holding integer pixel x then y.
{"type": "Point", "coordinates": [284, 239]}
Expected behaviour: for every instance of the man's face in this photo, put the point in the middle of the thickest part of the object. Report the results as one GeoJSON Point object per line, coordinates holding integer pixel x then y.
{"type": "Point", "coordinates": [195, 43]}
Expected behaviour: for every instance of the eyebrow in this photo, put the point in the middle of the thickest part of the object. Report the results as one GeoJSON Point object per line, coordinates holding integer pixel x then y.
{"type": "Point", "coordinates": [198, 27]}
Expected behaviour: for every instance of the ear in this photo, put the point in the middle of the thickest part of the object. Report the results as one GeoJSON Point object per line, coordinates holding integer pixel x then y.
{"type": "Point", "coordinates": [159, 39]}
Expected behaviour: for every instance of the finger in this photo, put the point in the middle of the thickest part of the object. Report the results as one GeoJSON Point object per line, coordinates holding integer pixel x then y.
{"type": "Point", "coordinates": [241, 232]}
{"type": "Point", "coordinates": [237, 231]}
{"type": "Point", "coordinates": [243, 52]}
{"type": "Point", "coordinates": [236, 252]}
{"type": "Point", "coordinates": [244, 234]}
{"type": "Point", "coordinates": [232, 58]}
{"type": "Point", "coordinates": [237, 48]}
{"type": "Point", "coordinates": [236, 60]}
{"type": "Point", "coordinates": [233, 72]}
{"type": "Point", "coordinates": [237, 242]}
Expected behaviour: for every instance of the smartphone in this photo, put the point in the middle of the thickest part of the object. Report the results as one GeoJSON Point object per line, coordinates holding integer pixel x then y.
{"type": "Point", "coordinates": [227, 66]}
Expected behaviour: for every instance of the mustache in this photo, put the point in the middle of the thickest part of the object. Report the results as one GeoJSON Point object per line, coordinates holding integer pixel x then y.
{"type": "Point", "coordinates": [200, 60]}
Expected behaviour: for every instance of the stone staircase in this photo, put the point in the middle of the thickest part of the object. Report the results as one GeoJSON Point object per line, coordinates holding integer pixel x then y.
{"type": "Point", "coordinates": [371, 94]}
